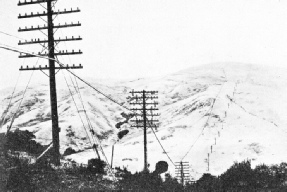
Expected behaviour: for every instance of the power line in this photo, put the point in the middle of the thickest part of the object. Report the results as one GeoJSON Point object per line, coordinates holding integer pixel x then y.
{"type": "Point", "coordinates": [210, 110]}
{"type": "Point", "coordinates": [61, 64]}
{"type": "Point", "coordinates": [11, 35]}
{"type": "Point", "coordinates": [12, 120]}
{"type": "Point", "coordinates": [160, 143]}
{"type": "Point", "coordinates": [91, 128]}
{"type": "Point", "coordinates": [12, 95]}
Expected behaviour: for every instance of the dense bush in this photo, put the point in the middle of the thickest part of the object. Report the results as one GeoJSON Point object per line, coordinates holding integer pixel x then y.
{"type": "Point", "coordinates": [146, 181]}
{"type": "Point", "coordinates": [96, 166]}
{"type": "Point", "coordinates": [23, 141]}
{"type": "Point", "coordinates": [241, 177]}
{"type": "Point", "coordinates": [69, 151]}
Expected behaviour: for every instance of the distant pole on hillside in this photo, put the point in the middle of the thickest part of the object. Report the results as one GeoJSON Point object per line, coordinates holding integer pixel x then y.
{"type": "Point", "coordinates": [112, 159]}
{"type": "Point", "coordinates": [144, 114]}
{"type": "Point", "coordinates": [207, 160]}
{"type": "Point", "coordinates": [52, 43]}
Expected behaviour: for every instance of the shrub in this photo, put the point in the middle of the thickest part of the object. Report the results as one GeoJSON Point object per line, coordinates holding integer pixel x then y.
{"type": "Point", "coordinates": [96, 166]}
{"type": "Point", "coordinates": [23, 141]}
{"type": "Point", "coordinates": [69, 151]}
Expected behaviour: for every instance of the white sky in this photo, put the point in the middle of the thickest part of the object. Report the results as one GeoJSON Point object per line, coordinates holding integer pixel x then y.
{"type": "Point", "coordinates": [140, 38]}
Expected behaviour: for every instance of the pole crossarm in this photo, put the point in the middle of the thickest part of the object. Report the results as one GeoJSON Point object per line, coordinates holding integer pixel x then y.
{"type": "Point", "coordinates": [46, 27]}
{"type": "Point", "coordinates": [45, 13]}
{"type": "Point", "coordinates": [155, 103]}
{"type": "Point", "coordinates": [136, 109]}
{"type": "Point", "coordinates": [152, 115]}
{"type": "Point", "coordinates": [48, 68]}
{"type": "Point", "coordinates": [33, 2]}
{"type": "Point", "coordinates": [140, 98]}
{"type": "Point", "coordinates": [45, 54]}
{"type": "Point", "coordinates": [46, 41]}
{"type": "Point", "coordinates": [141, 121]}
{"type": "Point", "coordinates": [147, 92]}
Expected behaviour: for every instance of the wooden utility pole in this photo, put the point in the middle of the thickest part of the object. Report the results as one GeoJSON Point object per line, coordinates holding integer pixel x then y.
{"type": "Point", "coordinates": [207, 161]}
{"type": "Point", "coordinates": [112, 159]}
{"type": "Point", "coordinates": [51, 58]}
{"type": "Point", "coordinates": [182, 172]}
{"type": "Point", "coordinates": [145, 117]}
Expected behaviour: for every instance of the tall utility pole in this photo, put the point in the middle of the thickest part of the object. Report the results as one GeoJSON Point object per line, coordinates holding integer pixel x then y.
{"type": "Point", "coordinates": [144, 114]}
{"type": "Point", "coordinates": [182, 171]}
{"type": "Point", "coordinates": [51, 58]}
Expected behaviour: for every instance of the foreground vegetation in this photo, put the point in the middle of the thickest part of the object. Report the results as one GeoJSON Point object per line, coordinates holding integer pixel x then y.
{"type": "Point", "coordinates": [17, 174]}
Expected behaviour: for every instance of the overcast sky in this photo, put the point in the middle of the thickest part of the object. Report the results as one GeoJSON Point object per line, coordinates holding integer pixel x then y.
{"type": "Point", "coordinates": [140, 38]}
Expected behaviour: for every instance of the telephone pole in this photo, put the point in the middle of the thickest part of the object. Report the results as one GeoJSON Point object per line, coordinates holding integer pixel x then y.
{"type": "Point", "coordinates": [51, 58]}
{"type": "Point", "coordinates": [207, 161]}
{"type": "Point", "coordinates": [182, 171]}
{"type": "Point", "coordinates": [144, 114]}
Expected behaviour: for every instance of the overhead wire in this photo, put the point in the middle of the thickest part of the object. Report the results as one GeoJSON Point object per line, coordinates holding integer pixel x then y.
{"type": "Point", "coordinates": [97, 90]}
{"type": "Point", "coordinates": [160, 143]}
{"type": "Point", "coordinates": [9, 104]}
{"type": "Point", "coordinates": [93, 135]}
{"type": "Point", "coordinates": [9, 48]}
{"type": "Point", "coordinates": [11, 35]}
{"type": "Point", "coordinates": [20, 103]}
{"type": "Point", "coordinates": [210, 110]}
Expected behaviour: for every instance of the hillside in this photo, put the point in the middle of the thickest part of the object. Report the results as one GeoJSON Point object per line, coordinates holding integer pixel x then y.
{"type": "Point", "coordinates": [238, 109]}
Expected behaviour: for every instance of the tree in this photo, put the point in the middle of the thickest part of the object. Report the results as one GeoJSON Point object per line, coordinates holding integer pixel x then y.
{"type": "Point", "coordinates": [238, 176]}
{"type": "Point", "coordinates": [263, 176]}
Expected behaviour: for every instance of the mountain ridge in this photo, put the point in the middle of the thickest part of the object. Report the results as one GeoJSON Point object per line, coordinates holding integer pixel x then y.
{"type": "Point", "coordinates": [242, 107]}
